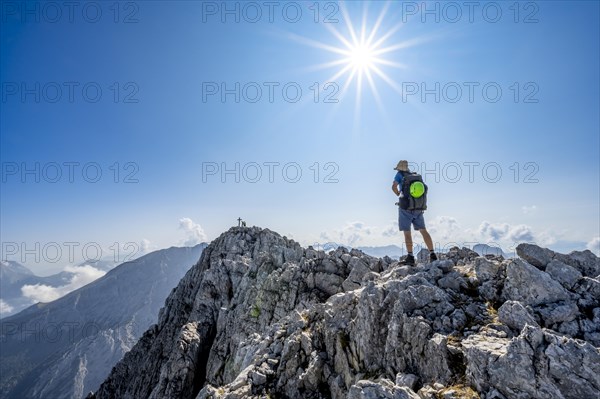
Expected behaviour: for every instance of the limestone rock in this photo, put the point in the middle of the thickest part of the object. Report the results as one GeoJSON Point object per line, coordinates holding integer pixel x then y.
{"type": "Point", "coordinates": [536, 364]}
{"type": "Point", "coordinates": [530, 285]}
{"type": "Point", "coordinates": [515, 315]}
{"type": "Point", "coordinates": [365, 389]}
{"type": "Point", "coordinates": [259, 316]}
{"type": "Point", "coordinates": [563, 273]}
{"type": "Point", "coordinates": [534, 255]}
{"type": "Point", "coordinates": [584, 261]}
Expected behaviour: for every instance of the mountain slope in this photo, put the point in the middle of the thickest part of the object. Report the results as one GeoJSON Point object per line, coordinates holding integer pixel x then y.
{"type": "Point", "coordinates": [13, 271]}
{"type": "Point", "coordinates": [259, 316]}
{"type": "Point", "coordinates": [65, 348]}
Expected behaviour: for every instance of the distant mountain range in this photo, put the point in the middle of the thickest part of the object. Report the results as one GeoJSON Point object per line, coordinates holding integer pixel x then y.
{"type": "Point", "coordinates": [65, 348]}
{"type": "Point", "coordinates": [395, 252]}
{"type": "Point", "coordinates": [484, 249]}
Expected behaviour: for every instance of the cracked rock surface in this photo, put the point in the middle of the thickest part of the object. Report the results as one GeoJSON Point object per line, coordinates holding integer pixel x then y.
{"type": "Point", "coordinates": [259, 316]}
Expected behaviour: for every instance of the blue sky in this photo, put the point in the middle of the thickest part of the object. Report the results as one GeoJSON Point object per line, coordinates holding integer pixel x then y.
{"type": "Point", "coordinates": [152, 124]}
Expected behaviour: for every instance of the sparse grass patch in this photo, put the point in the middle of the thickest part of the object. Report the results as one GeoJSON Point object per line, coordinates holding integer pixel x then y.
{"type": "Point", "coordinates": [492, 312]}
{"type": "Point", "coordinates": [454, 340]}
{"type": "Point", "coordinates": [304, 315]}
{"type": "Point", "coordinates": [255, 311]}
{"type": "Point", "coordinates": [460, 391]}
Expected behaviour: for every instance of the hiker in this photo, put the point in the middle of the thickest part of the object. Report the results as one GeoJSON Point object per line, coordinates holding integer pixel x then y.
{"type": "Point", "coordinates": [412, 202]}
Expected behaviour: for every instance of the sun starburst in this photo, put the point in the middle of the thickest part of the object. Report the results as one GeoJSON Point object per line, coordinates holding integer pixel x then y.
{"type": "Point", "coordinates": [361, 57]}
{"type": "Point", "coordinates": [362, 53]}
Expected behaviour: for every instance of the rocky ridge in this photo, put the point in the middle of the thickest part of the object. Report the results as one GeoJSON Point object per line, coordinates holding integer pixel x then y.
{"type": "Point", "coordinates": [259, 316]}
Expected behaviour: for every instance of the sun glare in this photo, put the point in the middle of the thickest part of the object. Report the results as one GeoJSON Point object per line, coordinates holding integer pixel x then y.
{"type": "Point", "coordinates": [361, 57]}
{"type": "Point", "coordinates": [362, 53]}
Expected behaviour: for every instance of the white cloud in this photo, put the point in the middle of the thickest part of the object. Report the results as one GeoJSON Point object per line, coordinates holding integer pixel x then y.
{"type": "Point", "coordinates": [5, 308]}
{"type": "Point", "coordinates": [594, 245]}
{"type": "Point", "coordinates": [506, 232]}
{"type": "Point", "coordinates": [495, 231]}
{"type": "Point", "coordinates": [444, 229]}
{"type": "Point", "coordinates": [391, 230]}
{"type": "Point", "coordinates": [352, 234]}
{"type": "Point", "coordinates": [546, 238]}
{"type": "Point", "coordinates": [144, 246]}
{"type": "Point", "coordinates": [82, 275]}
{"type": "Point", "coordinates": [194, 232]}
{"type": "Point", "coordinates": [529, 209]}
{"type": "Point", "coordinates": [520, 233]}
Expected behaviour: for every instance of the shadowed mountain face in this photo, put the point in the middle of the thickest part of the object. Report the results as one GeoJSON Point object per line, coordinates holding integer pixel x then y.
{"type": "Point", "coordinates": [259, 316]}
{"type": "Point", "coordinates": [65, 348]}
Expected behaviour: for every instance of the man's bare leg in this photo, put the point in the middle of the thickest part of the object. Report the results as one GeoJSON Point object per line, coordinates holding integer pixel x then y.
{"type": "Point", "coordinates": [426, 238]}
{"type": "Point", "coordinates": [408, 241]}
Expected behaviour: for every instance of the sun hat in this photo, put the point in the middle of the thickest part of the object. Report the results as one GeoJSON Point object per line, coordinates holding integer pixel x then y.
{"type": "Point", "coordinates": [402, 166]}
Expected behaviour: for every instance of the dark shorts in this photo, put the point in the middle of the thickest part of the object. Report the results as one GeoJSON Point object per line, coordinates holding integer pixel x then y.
{"type": "Point", "coordinates": [405, 218]}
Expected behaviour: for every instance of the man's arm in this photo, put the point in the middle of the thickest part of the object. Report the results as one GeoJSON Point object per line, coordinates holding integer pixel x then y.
{"type": "Point", "coordinates": [395, 188]}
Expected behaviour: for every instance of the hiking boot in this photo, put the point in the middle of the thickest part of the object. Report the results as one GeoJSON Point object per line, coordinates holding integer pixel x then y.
{"type": "Point", "coordinates": [432, 256]}
{"type": "Point", "coordinates": [409, 260]}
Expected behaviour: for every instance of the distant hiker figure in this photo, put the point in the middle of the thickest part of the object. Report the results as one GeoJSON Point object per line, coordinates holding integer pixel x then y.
{"type": "Point", "coordinates": [412, 202]}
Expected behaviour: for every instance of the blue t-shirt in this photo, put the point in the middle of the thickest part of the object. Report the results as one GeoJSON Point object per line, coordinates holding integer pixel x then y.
{"type": "Point", "coordinates": [398, 179]}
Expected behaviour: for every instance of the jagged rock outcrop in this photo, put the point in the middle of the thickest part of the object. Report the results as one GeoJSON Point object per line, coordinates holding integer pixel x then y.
{"type": "Point", "coordinates": [259, 316]}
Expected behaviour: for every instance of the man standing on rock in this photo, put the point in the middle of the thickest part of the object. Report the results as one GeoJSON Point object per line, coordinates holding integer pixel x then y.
{"type": "Point", "coordinates": [412, 202]}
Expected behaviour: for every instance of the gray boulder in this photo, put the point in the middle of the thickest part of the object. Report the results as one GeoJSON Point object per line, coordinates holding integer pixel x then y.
{"type": "Point", "coordinates": [515, 315]}
{"type": "Point", "coordinates": [358, 269]}
{"type": "Point", "coordinates": [531, 286]}
{"type": "Point", "coordinates": [407, 380]}
{"type": "Point", "coordinates": [584, 261]}
{"type": "Point", "coordinates": [365, 389]}
{"type": "Point", "coordinates": [563, 273]}
{"type": "Point", "coordinates": [487, 270]}
{"type": "Point", "coordinates": [557, 312]}
{"type": "Point", "coordinates": [534, 255]}
{"type": "Point", "coordinates": [588, 291]}
{"type": "Point", "coordinates": [536, 364]}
